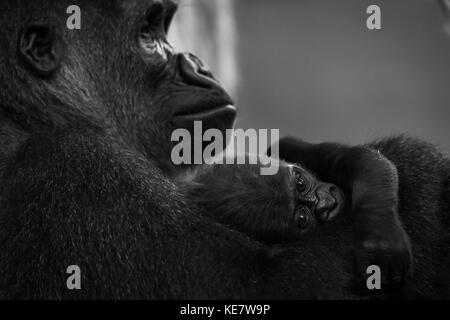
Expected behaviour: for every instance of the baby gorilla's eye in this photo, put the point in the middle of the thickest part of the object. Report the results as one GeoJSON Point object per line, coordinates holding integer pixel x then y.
{"type": "Point", "coordinates": [303, 218]}
{"type": "Point", "coordinates": [300, 184]}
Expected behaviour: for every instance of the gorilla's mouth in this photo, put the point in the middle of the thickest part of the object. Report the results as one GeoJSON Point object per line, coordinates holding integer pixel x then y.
{"type": "Point", "coordinates": [212, 116]}
{"type": "Point", "coordinates": [201, 113]}
{"type": "Point", "coordinates": [335, 208]}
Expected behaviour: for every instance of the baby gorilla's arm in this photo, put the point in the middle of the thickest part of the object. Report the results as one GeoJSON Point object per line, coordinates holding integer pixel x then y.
{"type": "Point", "coordinates": [270, 208]}
{"type": "Point", "coordinates": [371, 180]}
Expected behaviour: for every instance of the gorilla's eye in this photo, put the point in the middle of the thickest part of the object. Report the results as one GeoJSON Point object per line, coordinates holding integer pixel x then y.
{"type": "Point", "coordinates": [152, 37]}
{"type": "Point", "coordinates": [303, 218]}
{"type": "Point", "coordinates": [152, 46]}
{"type": "Point", "coordinates": [300, 184]}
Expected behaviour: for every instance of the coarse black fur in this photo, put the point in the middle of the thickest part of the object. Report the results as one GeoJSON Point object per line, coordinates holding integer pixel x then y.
{"type": "Point", "coordinates": [285, 206]}
{"type": "Point", "coordinates": [238, 196]}
{"type": "Point", "coordinates": [424, 206]}
{"type": "Point", "coordinates": [86, 177]}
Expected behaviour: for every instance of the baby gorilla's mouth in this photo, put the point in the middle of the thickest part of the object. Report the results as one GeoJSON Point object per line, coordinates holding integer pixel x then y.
{"type": "Point", "coordinates": [330, 202]}
{"type": "Point", "coordinates": [314, 201]}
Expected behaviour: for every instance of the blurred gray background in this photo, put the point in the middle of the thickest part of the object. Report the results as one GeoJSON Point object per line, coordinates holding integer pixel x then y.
{"type": "Point", "coordinates": [312, 69]}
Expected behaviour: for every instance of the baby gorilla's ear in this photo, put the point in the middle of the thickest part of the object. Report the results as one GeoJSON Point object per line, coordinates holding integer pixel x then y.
{"type": "Point", "coordinates": [41, 49]}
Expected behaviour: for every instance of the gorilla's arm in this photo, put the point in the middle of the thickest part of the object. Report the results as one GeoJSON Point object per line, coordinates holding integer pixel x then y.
{"type": "Point", "coordinates": [371, 181]}
{"type": "Point", "coordinates": [424, 208]}
{"type": "Point", "coordinates": [78, 197]}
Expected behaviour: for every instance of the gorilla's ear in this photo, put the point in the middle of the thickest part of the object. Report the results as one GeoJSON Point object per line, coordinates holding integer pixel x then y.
{"type": "Point", "coordinates": [41, 49]}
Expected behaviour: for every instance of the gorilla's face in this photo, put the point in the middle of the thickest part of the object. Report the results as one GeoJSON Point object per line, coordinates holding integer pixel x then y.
{"type": "Point", "coordinates": [122, 72]}
{"type": "Point", "coordinates": [314, 201]}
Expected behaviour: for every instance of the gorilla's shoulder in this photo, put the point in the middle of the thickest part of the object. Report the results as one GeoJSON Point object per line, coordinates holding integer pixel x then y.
{"type": "Point", "coordinates": [80, 154]}
{"type": "Point", "coordinates": [405, 145]}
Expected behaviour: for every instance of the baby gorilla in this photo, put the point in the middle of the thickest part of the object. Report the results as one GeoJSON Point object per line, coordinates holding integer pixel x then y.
{"type": "Point", "coordinates": [287, 205]}
{"type": "Point", "coordinates": [270, 208]}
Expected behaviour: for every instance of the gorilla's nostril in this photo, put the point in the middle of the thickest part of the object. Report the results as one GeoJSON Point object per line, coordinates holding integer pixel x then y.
{"type": "Point", "coordinates": [205, 72]}
{"type": "Point", "coordinates": [202, 68]}
{"type": "Point", "coordinates": [195, 72]}
{"type": "Point", "coordinates": [200, 64]}
{"type": "Point", "coordinates": [333, 189]}
{"type": "Point", "coordinates": [324, 213]}
{"type": "Point", "coordinates": [327, 206]}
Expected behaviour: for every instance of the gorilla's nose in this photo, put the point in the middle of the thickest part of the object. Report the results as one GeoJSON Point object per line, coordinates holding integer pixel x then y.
{"type": "Point", "coordinates": [195, 72]}
{"type": "Point", "coordinates": [326, 208]}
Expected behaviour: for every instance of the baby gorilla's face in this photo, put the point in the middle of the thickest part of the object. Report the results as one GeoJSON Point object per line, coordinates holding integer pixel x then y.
{"type": "Point", "coordinates": [269, 208]}
{"type": "Point", "coordinates": [314, 202]}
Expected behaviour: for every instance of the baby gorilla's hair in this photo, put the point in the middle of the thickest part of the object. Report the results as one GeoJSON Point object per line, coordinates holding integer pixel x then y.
{"type": "Point", "coordinates": [269, 208]}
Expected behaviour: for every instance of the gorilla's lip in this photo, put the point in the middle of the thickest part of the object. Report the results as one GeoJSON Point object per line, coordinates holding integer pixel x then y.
{"type": "Point", "coordinates": [227, 112]}
{"type": "Point", "coordinates": [200, 112]}
{"type": "Point", "coordinates": [339, 199]}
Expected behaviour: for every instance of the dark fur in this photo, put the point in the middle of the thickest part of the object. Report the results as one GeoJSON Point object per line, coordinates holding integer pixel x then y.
{"type": "Point", "coordinates": [239, 197]}
{"type": "Point", "coordinates": [424, 202]}
{"type": "Point", "coordinates": [265, 207]}
{"type": "Point", "coordinates": [86, 178]}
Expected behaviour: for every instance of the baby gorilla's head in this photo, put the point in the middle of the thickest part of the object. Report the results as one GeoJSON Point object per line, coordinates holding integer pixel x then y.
{"type": "Point", "coordinates": [271, 208]}
{"type": "Point", "coordinates": [314, 202]}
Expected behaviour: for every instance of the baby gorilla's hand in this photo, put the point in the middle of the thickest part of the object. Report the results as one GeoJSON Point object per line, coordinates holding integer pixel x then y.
{"type": "Point", "coordinates": [385, 244]}
{"type": "Point", "coordinates": [372, 183]}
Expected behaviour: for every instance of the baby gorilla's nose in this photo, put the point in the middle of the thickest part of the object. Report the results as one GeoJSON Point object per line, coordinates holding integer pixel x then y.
{"type": "Point", "coordinates": [328, 196]}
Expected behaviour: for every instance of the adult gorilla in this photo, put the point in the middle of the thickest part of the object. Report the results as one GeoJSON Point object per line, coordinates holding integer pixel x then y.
{"type": "Point", "coordinates": [86, 176]}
